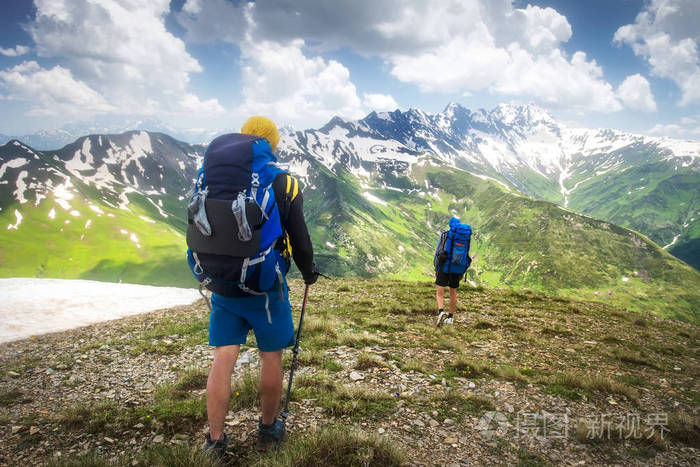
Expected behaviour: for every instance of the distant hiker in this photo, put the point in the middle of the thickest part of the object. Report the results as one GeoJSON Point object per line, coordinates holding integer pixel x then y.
{"type": "Point", "coordinates": [246, 221]}
{"type": "Point", "coordinates": [451, 262]}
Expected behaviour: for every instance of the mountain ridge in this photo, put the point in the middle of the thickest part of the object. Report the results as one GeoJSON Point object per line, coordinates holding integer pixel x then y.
{"type": "Point", "coordinates": [366, 200]}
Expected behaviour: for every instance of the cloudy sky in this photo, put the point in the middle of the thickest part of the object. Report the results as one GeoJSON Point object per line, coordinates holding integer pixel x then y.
{"type": "Point", "coordinates": [627, 64]}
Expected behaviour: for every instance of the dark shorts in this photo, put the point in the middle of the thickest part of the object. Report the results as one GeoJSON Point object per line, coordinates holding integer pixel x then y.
{"type": "Point", "coordinates": [443, 279]}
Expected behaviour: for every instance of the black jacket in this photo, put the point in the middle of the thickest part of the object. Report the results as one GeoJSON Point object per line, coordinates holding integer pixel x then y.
{"type": "Point", "coordinates": [291, 206]}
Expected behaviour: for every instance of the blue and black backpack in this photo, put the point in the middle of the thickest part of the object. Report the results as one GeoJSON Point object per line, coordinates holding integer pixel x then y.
{"type": "Point", "coordinates": [234, 228]}
{"type": "Point", "coordinates": [455, 245]}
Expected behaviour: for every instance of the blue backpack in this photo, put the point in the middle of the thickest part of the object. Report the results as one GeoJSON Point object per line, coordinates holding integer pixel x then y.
{"type": "Point", "coordinates": [234, 223]}
{"type": "Point", "coordinates": [456, 246]}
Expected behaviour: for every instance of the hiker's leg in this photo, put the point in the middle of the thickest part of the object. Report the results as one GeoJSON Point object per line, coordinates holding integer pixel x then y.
{"type": "Point", "coordinates": [453, 300]}
{"type": "Point", "coordinates": [440, 297]}
{"type": "Point", "coordinates": [219, 387]}
{"type": "Point", "coordinates": [270, 384]}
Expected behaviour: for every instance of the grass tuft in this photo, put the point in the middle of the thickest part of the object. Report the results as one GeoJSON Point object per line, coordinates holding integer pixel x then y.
{"type": "Point", "coordinates": [333, 446]}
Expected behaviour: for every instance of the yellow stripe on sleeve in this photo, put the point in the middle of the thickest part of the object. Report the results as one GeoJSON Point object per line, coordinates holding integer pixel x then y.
{"type": "Point", "coordinates": [289, 181]}
{"type": "Point", "coordinates": [296, 189]}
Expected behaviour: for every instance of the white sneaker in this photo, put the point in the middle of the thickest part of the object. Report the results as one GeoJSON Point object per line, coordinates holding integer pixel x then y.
{"type": "Point", "coordinates": [441, 317]}
{"type": "Point", "coordinates": [449, 320]}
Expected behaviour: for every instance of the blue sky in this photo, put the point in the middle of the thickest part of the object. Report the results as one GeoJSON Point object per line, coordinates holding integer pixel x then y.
{"type": "Point", "coordinates": [627, 64]}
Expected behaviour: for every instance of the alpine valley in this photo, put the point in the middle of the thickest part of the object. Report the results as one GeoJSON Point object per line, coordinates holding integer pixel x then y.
{"type": "Point", "coordinates": [550, 206]}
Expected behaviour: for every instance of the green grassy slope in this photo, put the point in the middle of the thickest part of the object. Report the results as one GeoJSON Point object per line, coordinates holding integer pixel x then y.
{"type": "Point", "coordinates": [68, 247]}
{"type": "Point", "coordinates": [658, 199]}
{"type": "Point", "coordinates": [519, 242]}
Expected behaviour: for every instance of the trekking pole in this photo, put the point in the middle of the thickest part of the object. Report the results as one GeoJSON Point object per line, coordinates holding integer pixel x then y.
{"type": "Point", "coordinates": [294, 357]}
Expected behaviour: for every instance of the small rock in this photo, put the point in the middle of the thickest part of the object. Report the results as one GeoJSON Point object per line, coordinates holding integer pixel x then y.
{"type": "Point", "coordinates": [13, 374]}
{"type": "Point", "coordinates": [450, 441]}
{"type": "Point", "coordinates": [448, 422]}
{"type": "Point", "coordinates": [418, 423]}
{"type": "Point", "coordinates": [355, 376]}
{"type": "Point", "coordinates": [471, 385]}
{"type": "Point", "coordinates": [677, 368]}
{"type": "Point", "coordinates": [138, 426]}
{"type": "Point", "coordinates": [435, 413]}
{"type": "Point", "coordinates": [381, 430]}
{"type": "Point", "coordinates": [17, 429]}
{"type": "Point", "coordinates": [108, 439]}
{"type": "Point", "coordinates": [509, 408]}
{"type": "Point", "coordinates": [33, 430]}
{"type": "Point", "coordinates": [74, 378]}
{"type": "Point", "coordinates": [159, 439]}
{"type": "Point", "coordinates": [433, 423]}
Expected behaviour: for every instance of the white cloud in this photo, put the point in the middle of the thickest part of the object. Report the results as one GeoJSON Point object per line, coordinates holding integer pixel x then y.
{"type": "Point", "coordinates": [121, 48]}
{"type": "Point", "coordinates": [686, 129]}
{"type": "Point", "coordinates": [447, 46]}
{"type": "Point", "coordinates": [508, 51]}
{"type": "Point", "coordinates": [16, 52]}
{"type": "Point", "coordinates": [636, 94]}
{"type": "Point", "coordinates": [280, 82]}
{"type": "Point", "coordinates": [666, 34]}
{"type": "Point", "coordinates": [379, 102]}
{"type": "Point", "coordinates": [191, 103]}
{"type": "Point", "coordinates": [51, 92]}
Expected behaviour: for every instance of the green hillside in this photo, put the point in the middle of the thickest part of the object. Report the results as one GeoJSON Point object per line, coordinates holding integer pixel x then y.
{"type": "Point", "coordinates": [519, 242]}
{"type": "Point", "coordinates": [659, 198]}
{"type": "Point", "coordinates": [115, 245]}
{"type": "Point", "coordinates": [361, 230]}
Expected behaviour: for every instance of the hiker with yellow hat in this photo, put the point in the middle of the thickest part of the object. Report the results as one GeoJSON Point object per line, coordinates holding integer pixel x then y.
{"type": "Point", "coordinates": [246, 223]}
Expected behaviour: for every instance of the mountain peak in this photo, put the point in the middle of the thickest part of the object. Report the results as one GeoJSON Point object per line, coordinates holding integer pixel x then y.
{"type": "Point", "coordinates": [528, 114]}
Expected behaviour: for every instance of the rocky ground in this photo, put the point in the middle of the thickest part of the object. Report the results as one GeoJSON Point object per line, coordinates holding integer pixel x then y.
{"type": "Point", "coordinates": [519, 379]}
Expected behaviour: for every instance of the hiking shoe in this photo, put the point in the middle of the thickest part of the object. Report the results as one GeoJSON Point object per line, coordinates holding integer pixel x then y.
{"type": "Point", "coordinates": [216, 448]}
{"type": "Point", "coordinates": [449, 320]}
{"type": "Point", "coordinates": [270, 437]}
{"type": "Point", "coordinates": [440, 318]}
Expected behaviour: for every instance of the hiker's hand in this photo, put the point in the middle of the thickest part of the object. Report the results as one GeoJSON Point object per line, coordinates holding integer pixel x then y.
{"type": "Point", "coordinates": [313, 277]}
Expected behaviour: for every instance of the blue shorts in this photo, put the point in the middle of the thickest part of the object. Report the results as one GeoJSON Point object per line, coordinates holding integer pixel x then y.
{"type": "Point", "coordinates": [233, 317]}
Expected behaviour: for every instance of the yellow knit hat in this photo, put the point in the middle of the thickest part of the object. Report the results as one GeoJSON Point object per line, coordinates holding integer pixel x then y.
{"type": "Point", "coordinates": [262, 126]}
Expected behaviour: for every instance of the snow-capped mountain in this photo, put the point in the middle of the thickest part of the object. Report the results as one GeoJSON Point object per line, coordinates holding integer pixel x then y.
{"type": "Point", "coordinates": [111, 207]}
{"type": "Point", "coordinates": [645, 183]}
{"type": "Point", "coordinates": [151, 166]}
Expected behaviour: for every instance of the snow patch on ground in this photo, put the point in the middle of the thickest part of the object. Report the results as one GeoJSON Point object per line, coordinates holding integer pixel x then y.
{"type": "Point", "coordinates": [52, 213]}
{"type": "Point", "coordinates": [21, 187]}
{"type": "Point", "coordinates": [13, 164]}
{"type": "Point", "coordinates": [62, 195]}
{"type": "Point", "coordinates": [147, 219]}
{"type": "Point", "coordinates": [374, 199]}
{"type": "Point", "coordinates": [38, 306]}
{"type": "Point", "coordinates": [96, 209]}
{"type": "Point", "coordinates": [330, 245]}
{"type": "Point", "coordinates": [18, 216]}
